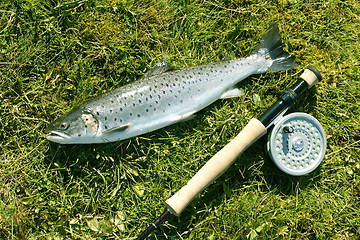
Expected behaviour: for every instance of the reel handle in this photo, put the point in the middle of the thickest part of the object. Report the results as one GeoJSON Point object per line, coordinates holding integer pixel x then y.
{"type": "Point", "coordinates": [216, 166]}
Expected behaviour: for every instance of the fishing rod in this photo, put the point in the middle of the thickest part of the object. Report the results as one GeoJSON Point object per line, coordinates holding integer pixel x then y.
{"type": "Point", "coordinates": [299, 146]}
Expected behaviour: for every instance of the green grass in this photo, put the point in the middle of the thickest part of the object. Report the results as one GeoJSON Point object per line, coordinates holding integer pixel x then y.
{"type": "Point", "coordinates": [55, 54]}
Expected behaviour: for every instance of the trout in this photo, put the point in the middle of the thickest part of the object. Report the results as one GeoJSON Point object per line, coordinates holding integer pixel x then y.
{"type": "Point", "coordinates": [164, 96]}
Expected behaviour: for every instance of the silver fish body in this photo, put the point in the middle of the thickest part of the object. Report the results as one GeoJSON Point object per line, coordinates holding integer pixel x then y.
{"type": "Point", "coordinates": [159, 100]}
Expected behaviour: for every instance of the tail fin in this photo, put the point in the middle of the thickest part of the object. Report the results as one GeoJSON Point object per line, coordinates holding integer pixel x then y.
{"type": "Point", "coordinates": [271, 42]}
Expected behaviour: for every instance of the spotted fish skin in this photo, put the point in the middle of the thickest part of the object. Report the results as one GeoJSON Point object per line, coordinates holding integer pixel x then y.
{"type": "Point", "coordinates": [159, 100]}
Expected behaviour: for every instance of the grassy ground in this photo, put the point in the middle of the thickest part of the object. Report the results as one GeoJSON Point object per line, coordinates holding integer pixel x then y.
{"type": "Point", "coordinates": [55, 54]}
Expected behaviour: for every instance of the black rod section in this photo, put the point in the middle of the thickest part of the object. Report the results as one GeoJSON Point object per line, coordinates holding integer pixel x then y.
{"type": "Point", "coordinates": [288, 97]}
{"type": "Point", "coordinates": [154, 225]}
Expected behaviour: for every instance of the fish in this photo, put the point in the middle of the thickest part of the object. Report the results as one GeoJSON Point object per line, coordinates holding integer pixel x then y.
{"type": "Point", "coordinates": [165, 95]}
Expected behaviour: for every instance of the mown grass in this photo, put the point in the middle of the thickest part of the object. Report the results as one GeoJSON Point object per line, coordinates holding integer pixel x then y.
{"type": "Point", "coordinates": [55, 54]}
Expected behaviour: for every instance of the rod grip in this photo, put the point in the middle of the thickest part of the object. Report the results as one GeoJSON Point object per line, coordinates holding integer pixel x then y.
{"type": "Point", "coordinates": [216, 166]}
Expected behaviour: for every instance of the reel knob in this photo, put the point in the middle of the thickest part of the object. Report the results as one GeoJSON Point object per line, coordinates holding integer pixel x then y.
{"type": "Point", "coordinates": [297, 144]}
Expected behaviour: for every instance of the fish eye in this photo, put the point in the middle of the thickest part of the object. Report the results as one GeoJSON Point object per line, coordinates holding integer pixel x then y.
{"type": "Point", "coordinates": [63, 126]}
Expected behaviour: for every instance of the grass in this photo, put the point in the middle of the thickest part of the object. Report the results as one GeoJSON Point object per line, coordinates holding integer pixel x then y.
{"type": "Point", "coordinates": [55, 54]}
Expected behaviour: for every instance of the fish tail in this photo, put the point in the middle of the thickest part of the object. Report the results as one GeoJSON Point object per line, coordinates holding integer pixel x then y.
{"type": "Point", "coordinates": [270, 47]}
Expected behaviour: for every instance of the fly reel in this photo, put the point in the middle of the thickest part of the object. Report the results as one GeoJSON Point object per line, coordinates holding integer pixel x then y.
{"type": "Point", "coordinates": [297, 143]}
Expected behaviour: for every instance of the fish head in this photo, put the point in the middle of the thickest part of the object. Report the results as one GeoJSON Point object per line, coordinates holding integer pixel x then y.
{"type": "Point", "coordinates": [77, 126]}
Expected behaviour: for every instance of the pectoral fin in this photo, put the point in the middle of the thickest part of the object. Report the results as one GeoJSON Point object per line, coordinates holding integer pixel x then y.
{"type": "Point", "coordinates": [185, 116]}
{"type": "Point", "coordinates": [116, 129]}
{"type": "Point", "coordinates": [233, 92]}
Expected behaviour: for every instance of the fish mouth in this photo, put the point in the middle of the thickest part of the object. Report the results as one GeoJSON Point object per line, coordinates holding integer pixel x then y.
{"type": "Point", "coordinates": [56, 136]}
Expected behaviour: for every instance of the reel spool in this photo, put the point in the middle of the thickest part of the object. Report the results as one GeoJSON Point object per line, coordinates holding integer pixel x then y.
{"type": "Point", "coordinates": [297, 143]}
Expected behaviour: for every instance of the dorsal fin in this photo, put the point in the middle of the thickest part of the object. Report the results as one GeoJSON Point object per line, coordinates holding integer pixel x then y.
{"type": "Point", "coordinates": [226, 58]}
{"type": "Point", "coordinates": [159, 68]}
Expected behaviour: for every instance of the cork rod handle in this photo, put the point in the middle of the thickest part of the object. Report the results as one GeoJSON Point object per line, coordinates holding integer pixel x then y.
{"type": "Point", "coordinates": [216, 166]}
{"type": "Point", "coordinates": [311, 75]}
